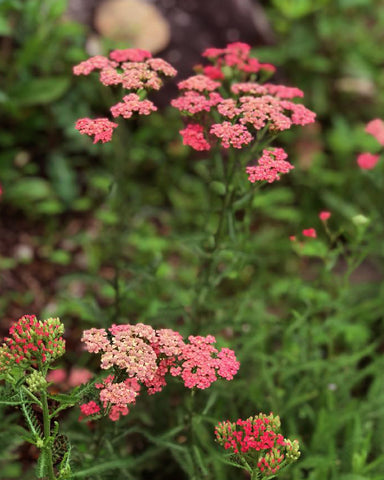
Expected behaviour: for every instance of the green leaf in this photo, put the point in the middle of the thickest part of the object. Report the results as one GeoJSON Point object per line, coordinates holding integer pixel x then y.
{"type": "Point", "coordinates": [29, 190]}
{"type": "Point", "coordinates": [39, 91]}
{"type": "Point", "coordinates": [63, 178]}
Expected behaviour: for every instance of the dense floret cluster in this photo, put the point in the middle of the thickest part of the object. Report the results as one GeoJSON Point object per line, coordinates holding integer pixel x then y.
{"type": "Point", "coordinates": [270, 165]}
{"type": "Point", "coordinates": [224, 104]}
{"type": "Point", "coordinates": [258, 441]}
{"type": "Point", "coordinates": [135, 71]}
{"type": "Point", "coordinates": [144, 356]}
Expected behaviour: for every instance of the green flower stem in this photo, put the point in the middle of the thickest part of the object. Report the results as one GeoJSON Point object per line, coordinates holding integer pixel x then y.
{"type": "Point", "coordinates": [31, 396]}
{"type": "Point", "coordinates": [47, 435]}
{"type": "Point", "coordinates": [204, 283]}
{"type": "Point", "coordinates": [191, 435]}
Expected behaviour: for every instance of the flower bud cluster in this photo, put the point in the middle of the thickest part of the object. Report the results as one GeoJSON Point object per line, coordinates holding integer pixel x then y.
{"type": "Point", "coordinates": [259, 442]}
{"type": "Point", "coordinates": [145, 356]}
{"type": "Point", "coordinates": [135, 71]}
{"type": "Point", "coordinates": [226, 105]}
{"type": "Point", "coordinates": [36, 381]}
{"type": "Point", "coordinates": [32, 342]}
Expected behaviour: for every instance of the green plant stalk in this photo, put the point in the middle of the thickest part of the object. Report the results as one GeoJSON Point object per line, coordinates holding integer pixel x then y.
{"type": "Point", "coordinates": [47, 435]}
{"type": "Point", "coordinates": [191, 434]}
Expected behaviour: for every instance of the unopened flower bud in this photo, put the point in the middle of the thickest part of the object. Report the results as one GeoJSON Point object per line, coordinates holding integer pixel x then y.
{"type": "Point", "coordinates": [36, 381]}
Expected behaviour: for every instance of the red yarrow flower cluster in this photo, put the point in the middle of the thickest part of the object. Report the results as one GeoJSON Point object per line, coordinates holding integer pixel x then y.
{"type": "Point", "coordinates": [257, 439]}
{"type": "Point", "coordinates": [233, 116]}
{"type": "Point", "coordinates": [193, 136]}
{"type": "Point", "coordinates": [90, 408]}
{"type": "Point", "coordinates": [237, 56]}
{"type": "Point", "coordinates": [32, 343]}
{"type": "Point", "coordinates": [100, 128]}
{"type": "Point", "coordinates": [145, 356]}
{"type": "Point", "coordinates": [131, 103]}
{"type": "Point", "coordinates": [135, 70]}
{"type": "Point", "coordinates": [231, 135]}
{"type": "Point", "coordinates": [270, 165]}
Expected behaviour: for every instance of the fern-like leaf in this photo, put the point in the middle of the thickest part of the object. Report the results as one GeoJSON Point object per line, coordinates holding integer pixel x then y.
{"type": "Point", "coordinates": [31, 419]}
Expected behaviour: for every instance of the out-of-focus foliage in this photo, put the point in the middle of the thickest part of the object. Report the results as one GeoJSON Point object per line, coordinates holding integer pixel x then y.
{"type": "Point", "coordinates": [306, 322]}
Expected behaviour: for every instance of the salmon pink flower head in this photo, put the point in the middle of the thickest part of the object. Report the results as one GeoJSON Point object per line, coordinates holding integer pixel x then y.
{"type": "Point", "coordinates": [270, 165]}
{"type": "Point", "coordinates": [234, 135]}
{"type": "Point", "coordinates": [130, 55]}
{"type": "Point", "coordinates": [90, 408]}
{"type": "Point", "coordinates": [32, 343]}
{"type": "Point", "coordinates": [237, 56]}
{"type": "Point", "coordinates": [201, 363]}
{"type": "Point", "coordinates": [249, 105]}
{"type": "Point", "coordinates": [144, 356]}
{"type": "Point", "coordinates": [309, 232]}
{"type": "Point", "coordinates": [324, 216]}
{"type": "Point", "coordinates": [376, 129]}
{"type": "Point", "coordinates": [258, 440]}
{"type": "Point", "coordinates": [193, 102]}
{"type": "Point", "coordinates": [93, 63]}
{"type": "Point", "coordinates": [367, 161]}
{"type": "Point", "coordinates": [101, 128]}
{"type": "Point", "coordinates": [214, 73]}
{"type": "Point", "coordinates": [193, 136]}
{"type": "Point", "coordinates": [135, 70]}
{"type": "Point", "coordinates": [131, 103]}
{"type": "Point", "coordinates": [199, 83]}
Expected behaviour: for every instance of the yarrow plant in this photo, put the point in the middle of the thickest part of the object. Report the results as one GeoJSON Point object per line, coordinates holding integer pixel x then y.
{"type": "Point", "coordinates": [26, 356]}
{"type": "Point", "coordinates": [142, 358]}
{"type": "Point", "coordinates": [256, 445]}
{"type": "Point", "coordinates": [136, 72]}
{"type": "Point", "coordinates": [232, 114]}
{"type": "Point", "coordinates": [228, 105]}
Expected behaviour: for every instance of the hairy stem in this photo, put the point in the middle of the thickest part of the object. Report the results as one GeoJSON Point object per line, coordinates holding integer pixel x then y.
{"type": "Point", "coordinates": [47, 435]}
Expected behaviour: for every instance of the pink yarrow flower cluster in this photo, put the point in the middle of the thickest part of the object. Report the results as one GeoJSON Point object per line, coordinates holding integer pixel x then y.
{"type": "Point", "coordinates": [233, 117]}
{"type": "Point", "coordinates": [201, 363]}
{"type": "Point", "coordinates": [257, 439]}
{"type": "Point", "coordinates": [32, 343]}
{"type": "Point", "coordinates": [100, 128]}
{"type": "Point", "coordinates": [270, 165]}
{"type": "Point", "coordinates": [145, 356]}
{"type": "Point", "coordinates": [366, 160]}
{"type": "Point", "coordinates": [237, 56]}
{"type": "Point", "coordinates": [136, 71]}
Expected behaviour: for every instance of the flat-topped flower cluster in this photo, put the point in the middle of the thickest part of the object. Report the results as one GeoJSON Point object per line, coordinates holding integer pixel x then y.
{"type": "Point", "coordinates": [135, 71]}
{"type": "Point", "coordinates": [144, 356]}
{"type": "Point", "coordinates": [238, 106]}
{"type": "Point", "coordinates": [258, 443]}
{"type": "Point", "coordinates": [32, 343]}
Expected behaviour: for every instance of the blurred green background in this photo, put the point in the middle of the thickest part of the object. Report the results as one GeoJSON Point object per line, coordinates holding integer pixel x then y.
{"type": "Point", "coordinates": [307, 325]}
